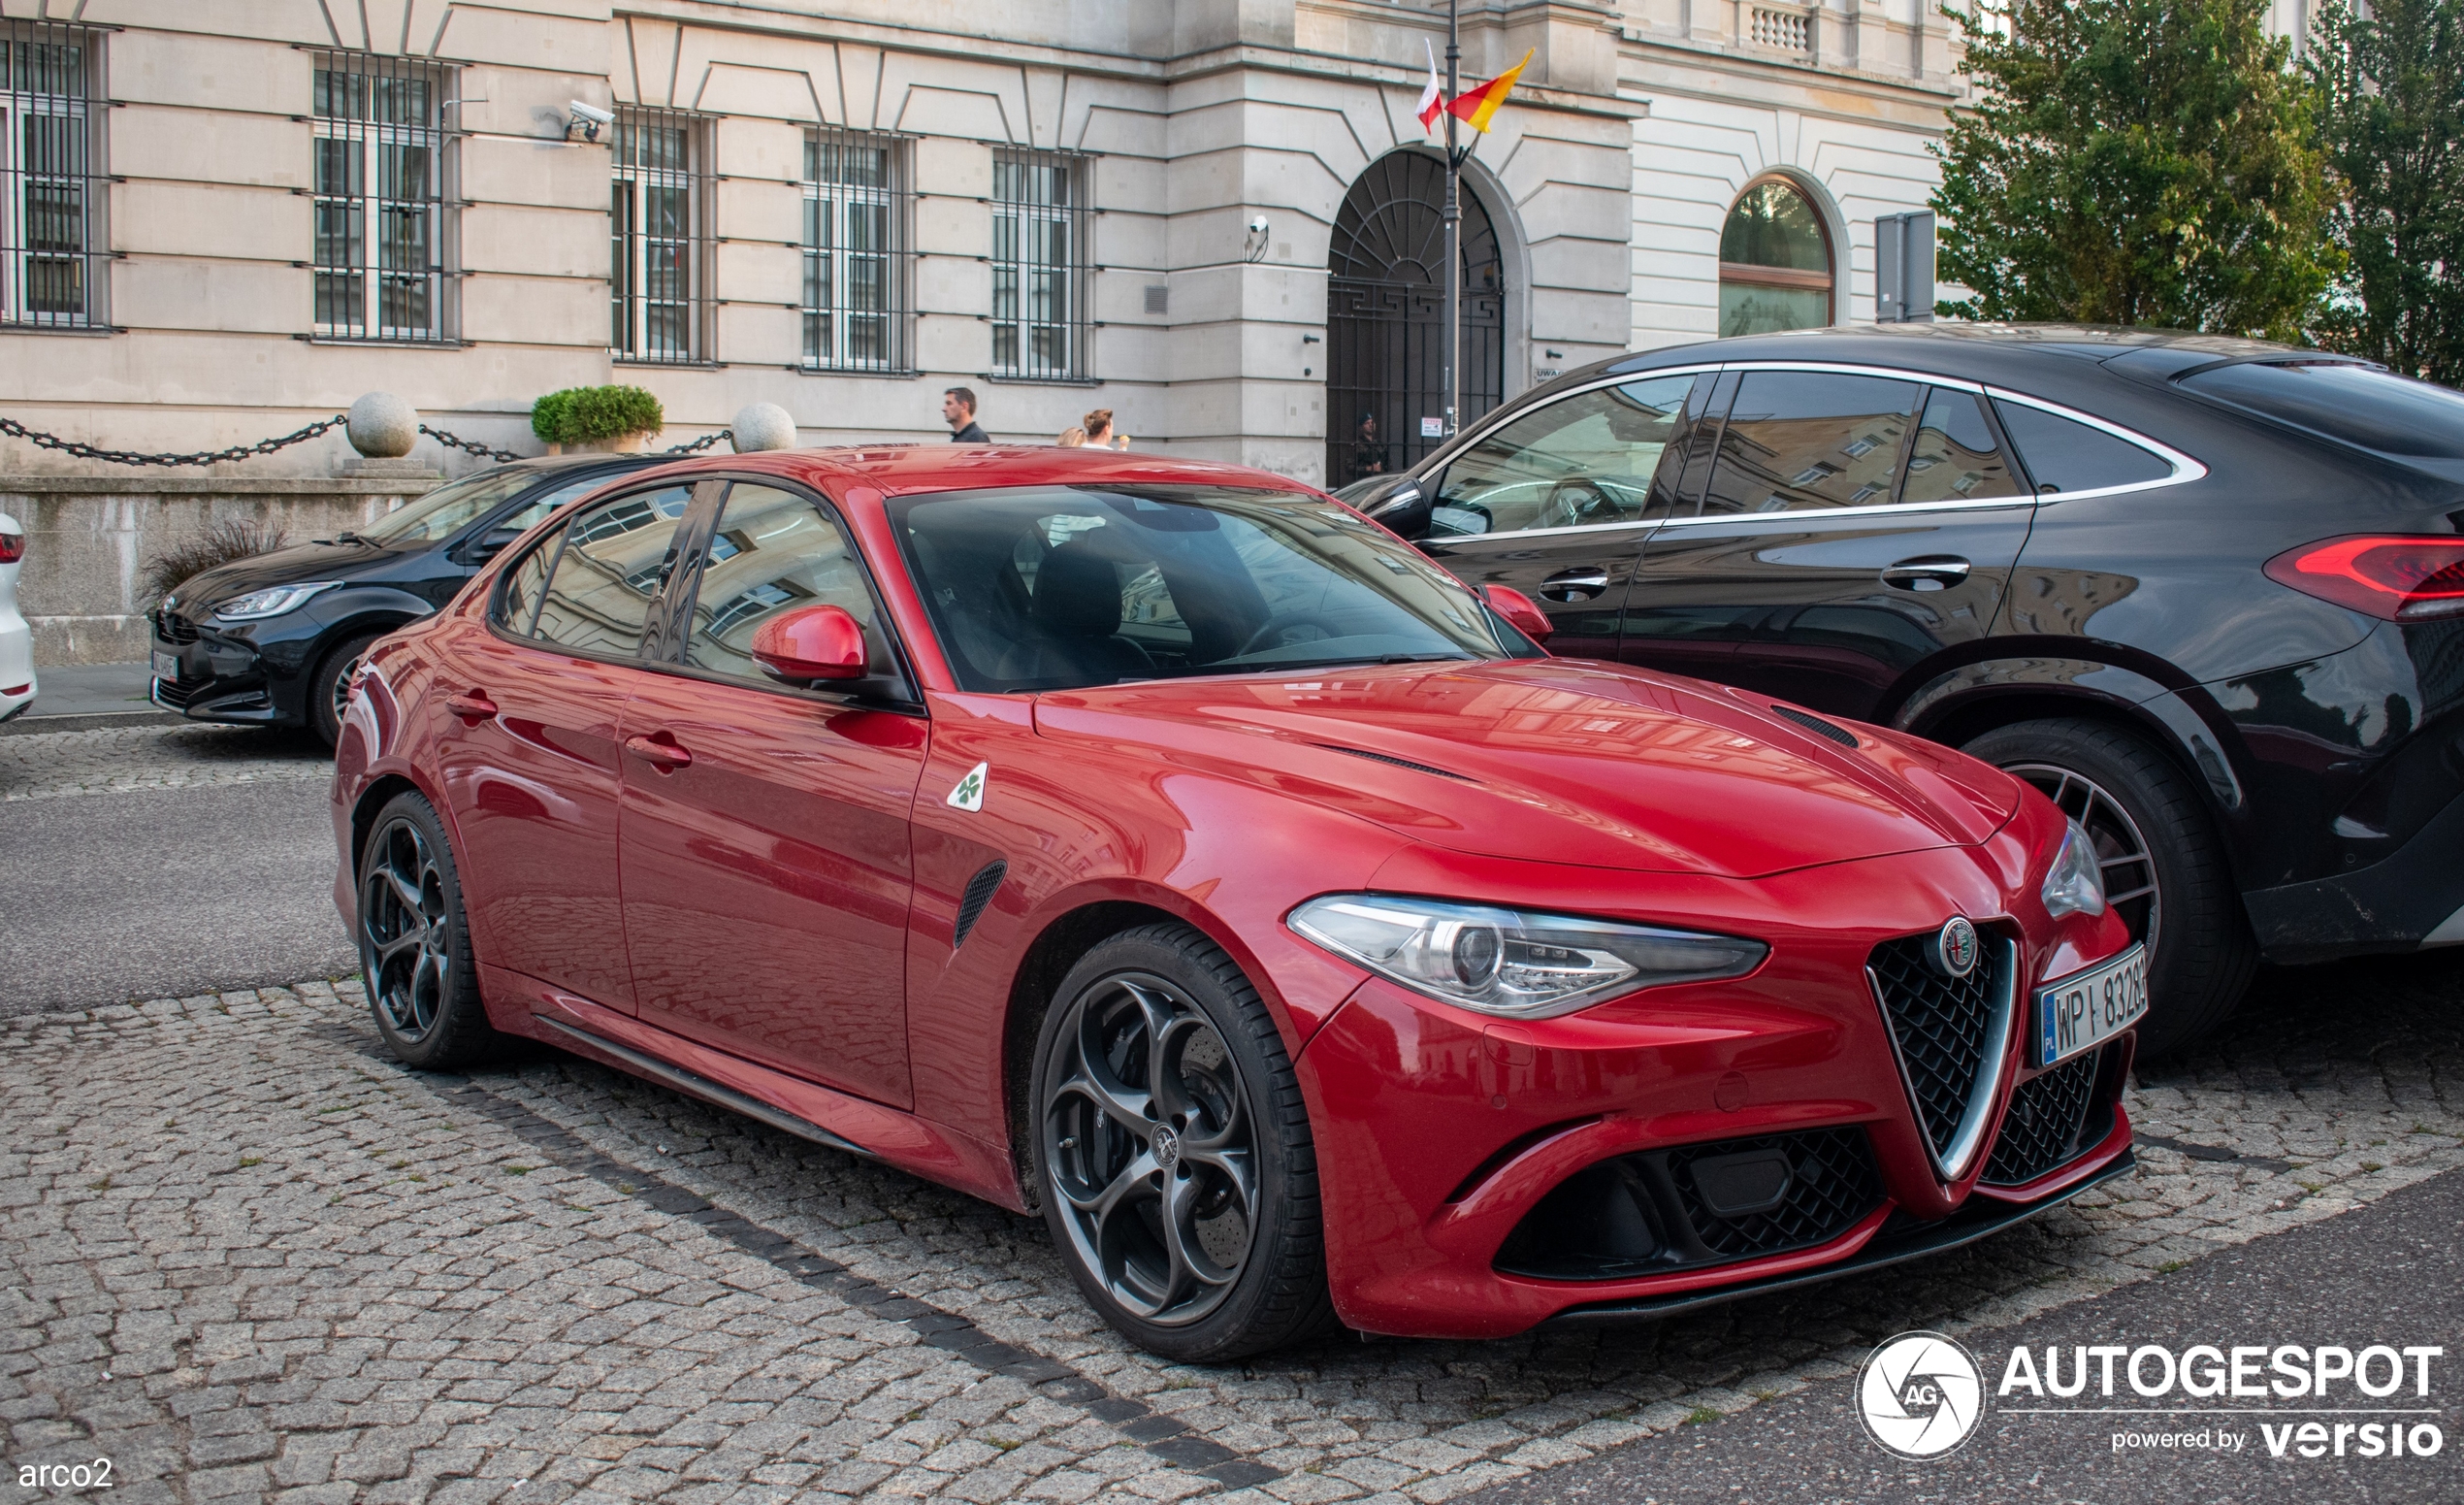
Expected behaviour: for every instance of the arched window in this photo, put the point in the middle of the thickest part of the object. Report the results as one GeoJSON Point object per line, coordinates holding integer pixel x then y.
{"type": "Point", "coordinates": [1774, 263]}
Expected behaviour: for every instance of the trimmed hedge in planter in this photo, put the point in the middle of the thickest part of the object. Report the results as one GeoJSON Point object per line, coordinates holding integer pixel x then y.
{"type": "Point", "coordinates": [595, 415]}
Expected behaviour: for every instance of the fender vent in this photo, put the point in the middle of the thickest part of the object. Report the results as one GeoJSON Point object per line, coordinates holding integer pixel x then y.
{"type": "Point", "coordinates": [979, 890]}
{"type": "Point", "coordinates": [1816, 725]}
{"type": "Point", "coordinates": [1400, 763]}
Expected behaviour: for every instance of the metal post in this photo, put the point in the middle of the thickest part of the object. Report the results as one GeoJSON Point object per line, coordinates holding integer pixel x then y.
{"type": "Point", "coordinates": [1451, 214]}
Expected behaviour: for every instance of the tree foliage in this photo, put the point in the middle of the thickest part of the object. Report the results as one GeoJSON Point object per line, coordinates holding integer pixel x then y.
{"type": "Point", "coordinates": [2136, 162]}
{"type": "Point", "coordinates": [2391, 86]}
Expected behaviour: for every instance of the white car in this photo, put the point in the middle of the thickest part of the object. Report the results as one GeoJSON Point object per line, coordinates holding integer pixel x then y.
{"type": "Point", "coordinates": [16, 640]}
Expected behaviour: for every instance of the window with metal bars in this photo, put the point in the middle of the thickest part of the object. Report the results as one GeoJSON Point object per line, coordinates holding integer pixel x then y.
{"type": "Point", "coordinates": [1041, 282]}
{"type": "Point", "coordinates": [658, 238]}
{"type": "Point", "coordinates": [856, 262]}
{"type": "Point", "coordinates": [383, 215]}
{"type": "Point", "coordinates": [52, 250]}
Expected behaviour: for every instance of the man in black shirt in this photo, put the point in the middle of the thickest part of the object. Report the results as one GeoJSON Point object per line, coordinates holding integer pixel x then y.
{"type": "Point", "coordinates": [958, 410]}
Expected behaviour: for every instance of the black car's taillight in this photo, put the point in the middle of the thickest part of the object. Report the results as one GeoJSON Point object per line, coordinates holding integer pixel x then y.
{"type": "Point", "coordinates": [2394, 577]}
{"type": "Point", "coordinates": [12, 547]}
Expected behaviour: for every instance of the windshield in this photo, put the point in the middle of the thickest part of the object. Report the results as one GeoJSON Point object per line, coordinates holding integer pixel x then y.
{"type": "Point", "coordinates": [446, 510]}
{"type": "Point", "coordinates": [1061, 587]}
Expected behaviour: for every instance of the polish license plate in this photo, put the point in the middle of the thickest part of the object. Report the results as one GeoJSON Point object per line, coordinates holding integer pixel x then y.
{"type": "Point", "coordinates": [2085, 1009]}
{"type": "Point", "coordinates": [166, 664]}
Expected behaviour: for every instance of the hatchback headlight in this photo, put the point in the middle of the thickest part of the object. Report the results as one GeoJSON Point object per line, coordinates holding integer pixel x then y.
{"type": "Point", "coordinates": [1510, 962]}
{"type": "Point", "coordinates": [2076, 883]}
{"type": "Point", "coordinates": [273, 600]}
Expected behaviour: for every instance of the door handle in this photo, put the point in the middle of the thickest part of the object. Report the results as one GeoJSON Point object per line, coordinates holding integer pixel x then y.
{"type": "Point", "coordinates": [472, 705]}
{"type": "Point", "coordinates": [1931, 572]}
{"type": "Point", "coordinates": [663, 755]}
{"type": "Point", "coordinates": [1580, 583]}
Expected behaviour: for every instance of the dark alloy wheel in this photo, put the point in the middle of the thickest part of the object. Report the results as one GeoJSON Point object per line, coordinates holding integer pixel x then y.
{"type": "Point", "coordinates": [1173, 1152]}
{"type": "Point", "coordinates": [2164, 868]}
{"type": "Point", "coordinates": [329, 692]}
{"type": "Point", "coordinates": [414, 941]}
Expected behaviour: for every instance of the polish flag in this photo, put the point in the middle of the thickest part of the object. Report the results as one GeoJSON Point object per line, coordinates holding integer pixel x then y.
{"type": "Point", "coordinates": [1432, 98]}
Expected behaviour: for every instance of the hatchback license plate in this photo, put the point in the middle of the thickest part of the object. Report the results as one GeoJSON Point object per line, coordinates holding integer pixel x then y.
{"type": "Point", "coordinates": [166, 664]}
{"type": "Point", "coordinates": [2086, 1009]}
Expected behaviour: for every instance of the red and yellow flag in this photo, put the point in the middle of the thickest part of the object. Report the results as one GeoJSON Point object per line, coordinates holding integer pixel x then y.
{"type": "Point", "coordinates": [1479, 105]}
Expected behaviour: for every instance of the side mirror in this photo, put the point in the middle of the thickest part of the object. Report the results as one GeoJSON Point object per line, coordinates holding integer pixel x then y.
{"type": "Point", "coordinates": [1403, 509]}
{"type": "Point", "coordinates": [810, 644]}
{"type": "Point", "coordinates": [1520, 611]}
{"type": "Point", "coordinates": [488, 545]}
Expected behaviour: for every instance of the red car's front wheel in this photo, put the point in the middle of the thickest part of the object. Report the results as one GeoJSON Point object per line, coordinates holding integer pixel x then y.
{"type": "Point", "coordinates": [1173, 1152]}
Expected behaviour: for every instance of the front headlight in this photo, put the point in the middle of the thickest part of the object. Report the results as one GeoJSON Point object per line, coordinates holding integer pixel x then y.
{"type": "Point", "coordinates": [273, 600]}
{"type": "Point", "coordinates": [2075, 884]}
{"type": "Point", "coordinates": [1510, 962]}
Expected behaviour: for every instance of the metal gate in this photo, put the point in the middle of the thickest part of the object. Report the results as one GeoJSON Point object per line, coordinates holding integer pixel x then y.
{"type": "Point", "coordinates": [1385, 328]}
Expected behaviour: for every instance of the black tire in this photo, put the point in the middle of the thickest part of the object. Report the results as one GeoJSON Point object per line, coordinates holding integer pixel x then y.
{"type": "Point", "coordinates": [2202, 957]}
{"type": "Point", "coordinates": [1230, 1101]}
{"type": "Point", "coordinates": [331, 682]}
{"type": "Point", "coordinates": [414, 943]}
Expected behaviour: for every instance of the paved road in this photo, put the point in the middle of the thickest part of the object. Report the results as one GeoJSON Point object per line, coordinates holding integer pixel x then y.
{"type": "Point", "coordinates": [2392, 1272]}
{"type": "Point", "coordinates": [162, 860]}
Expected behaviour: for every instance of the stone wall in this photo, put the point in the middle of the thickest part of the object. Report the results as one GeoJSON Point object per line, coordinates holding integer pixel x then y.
{"type": "Point", "coordinates": [88, 539]}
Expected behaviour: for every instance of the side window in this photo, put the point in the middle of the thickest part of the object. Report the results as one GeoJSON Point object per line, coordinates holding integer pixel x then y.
{"type": "Point", "coordinates": [2061, 455]}
{"type": "Point", "coordinates": [1585, 459]}
{"type": "Point", "coordinates": [773, 551]}
{"type": "Point", "coordinates": [1955, 458]}
{"type": "Point", "coordinates": [1798, 440]}
{"type": "Point", "coordinates": [512, 525]}
{"type": "Point", "coordinates": [609, 565]}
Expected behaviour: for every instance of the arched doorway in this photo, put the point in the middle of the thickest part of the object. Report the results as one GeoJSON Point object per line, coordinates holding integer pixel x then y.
{"type": "Point", "coordinates": [1385, 323]}
{"type": "Point", "coordinates": [1776, 263]}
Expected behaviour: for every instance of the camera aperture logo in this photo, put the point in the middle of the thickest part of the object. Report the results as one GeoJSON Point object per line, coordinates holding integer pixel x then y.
{"type": "Point", "coordinates": [1921, 1395]}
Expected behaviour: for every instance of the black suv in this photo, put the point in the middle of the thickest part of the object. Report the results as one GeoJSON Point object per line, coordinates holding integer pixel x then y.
{"type": "Point", "coordinates": [272, 640]}
{"type": "Point", "coordinates": [2206, 592]}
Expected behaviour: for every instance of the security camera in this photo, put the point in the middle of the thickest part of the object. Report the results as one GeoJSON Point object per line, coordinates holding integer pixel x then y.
{"type": "Point", "coordinates": [586, 121]}
{"type": "Point", "coordinates": [1257, 226]}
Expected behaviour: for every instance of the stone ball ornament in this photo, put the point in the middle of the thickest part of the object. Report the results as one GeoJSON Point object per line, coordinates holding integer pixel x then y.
{"type": "Point", "coordinates": [382, 426]}
{"type": "Point", "coordinates": [763, 426]}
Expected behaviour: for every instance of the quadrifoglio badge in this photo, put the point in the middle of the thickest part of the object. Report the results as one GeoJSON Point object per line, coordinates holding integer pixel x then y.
{"type": "Point", "coordinates": [1922, 1395]}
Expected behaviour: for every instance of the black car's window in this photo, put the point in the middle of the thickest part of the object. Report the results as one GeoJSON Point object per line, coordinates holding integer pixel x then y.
{"type": "Point", "coordinates": [520, 520]}
{"type": "Point", "coordinates": [1058, 587]}
{"type": "Point", "coordinates": [2360, 405]}
{"type": "Point", "coordinates": [1955, 458]}
{"type": "Point", "coordinates": [1802, 439]}
{"type": "Point", "coordinates": [2062, 455]}
{"type": "Point", "coordinates": [773, 551]}
{"type": "Point", "coordinates": [1589, 458]}
{"type": "Point", "coordinates": [449, 509]}
{"type": "Point", "coordinates": [608, 565]}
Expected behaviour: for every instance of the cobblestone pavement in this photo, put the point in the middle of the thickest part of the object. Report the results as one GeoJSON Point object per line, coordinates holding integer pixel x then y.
{"type": "Point", "coordinates": [54, 765]}
{"type": "Point", "coordinates": [245, 1254]}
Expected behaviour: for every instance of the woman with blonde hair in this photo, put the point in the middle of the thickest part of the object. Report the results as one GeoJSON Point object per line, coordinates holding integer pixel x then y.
{"type": "Point", "coordinates": [1072, 438]}
{"type": "Point", "coordinates": [1099, 430]}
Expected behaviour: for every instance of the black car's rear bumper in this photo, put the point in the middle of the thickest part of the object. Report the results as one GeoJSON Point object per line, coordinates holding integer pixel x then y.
{"type": "Point", "coordinates": [2413, 897]}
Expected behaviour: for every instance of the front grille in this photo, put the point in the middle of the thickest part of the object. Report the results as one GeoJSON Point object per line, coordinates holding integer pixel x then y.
{"type": "Point", "coordinates": [174, 694]}
{"type": "Point", "coordinates": [1698, 1204]}
{"type": "Point", "coordinates": [2047, 1123]}
{"type": "Point", "coordinates": [173, 630]}
{"type": "Point", "coordinates": [1944, 1027]}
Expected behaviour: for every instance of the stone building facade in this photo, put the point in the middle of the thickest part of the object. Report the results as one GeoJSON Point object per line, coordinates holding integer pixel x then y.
{"type": "Point", "coordinates": [226, 218]}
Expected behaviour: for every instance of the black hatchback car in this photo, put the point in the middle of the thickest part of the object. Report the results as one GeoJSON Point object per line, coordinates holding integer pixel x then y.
{"type": "Point", "coordinates": [272, 640]}
{"type": "Point", "coordinates": [2207, 593]}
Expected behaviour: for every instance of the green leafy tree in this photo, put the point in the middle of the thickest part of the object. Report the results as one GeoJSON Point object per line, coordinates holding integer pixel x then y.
{"type": "Point", "coordinates": [2135, 163]}
{"type": "Point", "coordinates": [2392, 90]}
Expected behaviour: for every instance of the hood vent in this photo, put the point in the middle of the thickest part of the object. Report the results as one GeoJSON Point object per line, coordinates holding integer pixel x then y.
{"type": "Point", "coordinates": [1817, 725]}
{"type": "Point", "coordinates": [1400, 763]}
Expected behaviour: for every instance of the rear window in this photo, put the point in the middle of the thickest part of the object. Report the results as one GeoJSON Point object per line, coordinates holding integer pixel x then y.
{"type": "Point", "coordinates": [2360, 405]}
{"type": "Point", "coordinates": [2065, 456]}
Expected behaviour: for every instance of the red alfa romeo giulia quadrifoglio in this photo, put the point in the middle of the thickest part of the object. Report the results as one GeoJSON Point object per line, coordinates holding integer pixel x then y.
{"type": "Point", "coordinates": [1165, 848]}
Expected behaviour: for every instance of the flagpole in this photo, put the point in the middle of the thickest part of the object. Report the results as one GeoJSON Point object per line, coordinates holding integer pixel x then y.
{"type": "Point", "coordinates": [1452, 218]}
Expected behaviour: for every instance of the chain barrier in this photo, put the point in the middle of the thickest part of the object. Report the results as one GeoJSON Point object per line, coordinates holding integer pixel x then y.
{"type": "Point", "coordinates": [472, 446]}
{"type": "Point", "coordinates": [13, 429]}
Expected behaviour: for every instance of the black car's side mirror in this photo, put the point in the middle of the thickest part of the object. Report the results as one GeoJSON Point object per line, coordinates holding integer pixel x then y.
{"type": "Point", "coordinates": [489, 545]}
{"type": "Point", "coordinates": [1404, 508]}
